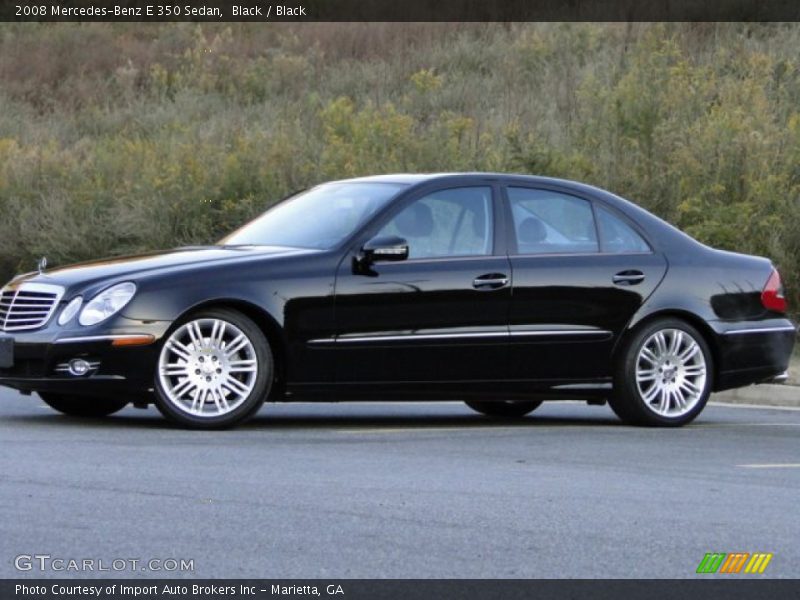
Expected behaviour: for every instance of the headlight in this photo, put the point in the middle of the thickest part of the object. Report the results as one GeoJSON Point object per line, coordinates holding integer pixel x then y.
{"type": "Point", "coordinates": [70, 311]}
{"type": "Point", "coordinates": [107, 303]}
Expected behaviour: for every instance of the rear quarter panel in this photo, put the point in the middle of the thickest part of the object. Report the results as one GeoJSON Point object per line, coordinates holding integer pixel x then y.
{"type": "Point", "coordinates": [719, 292]}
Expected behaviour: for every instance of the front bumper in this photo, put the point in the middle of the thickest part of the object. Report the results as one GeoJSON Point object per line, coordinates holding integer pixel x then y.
{"type": "Point", "coordinates": [39, 358]}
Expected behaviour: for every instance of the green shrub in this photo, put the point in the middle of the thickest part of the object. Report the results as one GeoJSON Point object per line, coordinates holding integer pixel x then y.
{"type": "Point", "coordinates": [118, 138]}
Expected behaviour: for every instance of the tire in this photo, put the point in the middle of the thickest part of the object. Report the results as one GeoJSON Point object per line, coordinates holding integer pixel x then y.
{"type": "Point", "coordinates": [215, 369]}
{"type": "Point", "coordinates": [664, 375]}
{"type": "Point", "coordinates": [504, 408]}
{"type": "Point", "coordinates": [81, 406]}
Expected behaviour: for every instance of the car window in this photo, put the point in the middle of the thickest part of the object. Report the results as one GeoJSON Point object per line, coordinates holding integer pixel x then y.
{"type": "Point", "coordinates": [616, 236]}
{"type": "Point", "coordinates": [452, 222]}
{"type": "Point", "coordinates": [548, 222]}
{"type": "Point", "coordinates": [321, 217]}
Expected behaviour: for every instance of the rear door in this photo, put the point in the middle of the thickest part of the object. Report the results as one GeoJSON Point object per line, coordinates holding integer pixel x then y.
{"type": "Point", "coordinates": [580, 271]}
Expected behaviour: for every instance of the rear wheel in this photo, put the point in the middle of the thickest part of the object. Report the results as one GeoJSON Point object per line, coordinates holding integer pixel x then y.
{"type": "Point", "coordinates": [664, 375]}
{"type": "Point", "coordinates": [215, 369]}
{"type": "Point", "coordinates": [80, 406]}
{"type": "Point", "coordinates": [504, 408]}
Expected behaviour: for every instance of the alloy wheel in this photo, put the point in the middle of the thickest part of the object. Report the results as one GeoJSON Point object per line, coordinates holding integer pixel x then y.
{"type": "Point", "coordinates": [671, 372]}
{"type": "Point", "coordinates": [208, 367]}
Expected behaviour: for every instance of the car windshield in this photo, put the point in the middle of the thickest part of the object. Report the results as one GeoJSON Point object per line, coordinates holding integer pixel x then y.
{"type": "Point", "coordinates": [320, 218]}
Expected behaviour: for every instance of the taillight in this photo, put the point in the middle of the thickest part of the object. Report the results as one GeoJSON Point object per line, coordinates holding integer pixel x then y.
{"type": "Point", "coordinates": [772, 295]}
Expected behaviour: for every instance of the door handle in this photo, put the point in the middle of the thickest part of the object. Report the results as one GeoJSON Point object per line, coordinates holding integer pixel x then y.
{"type": "Point", "coordinates": [490, 281]}
{"type": "Point", "coordinates": [631, 277]}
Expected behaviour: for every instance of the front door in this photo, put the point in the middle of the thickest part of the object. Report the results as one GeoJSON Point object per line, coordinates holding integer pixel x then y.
{"type": "Point", "coordinates": [441, 314]}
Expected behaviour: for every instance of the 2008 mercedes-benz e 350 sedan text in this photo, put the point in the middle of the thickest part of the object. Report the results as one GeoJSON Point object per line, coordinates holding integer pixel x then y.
{"type": "Point", "coordinates": [499, 290]}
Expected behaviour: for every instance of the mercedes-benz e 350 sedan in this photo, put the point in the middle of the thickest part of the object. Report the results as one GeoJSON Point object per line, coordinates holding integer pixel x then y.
{"type": "Point", "coordinates": [499, 290]}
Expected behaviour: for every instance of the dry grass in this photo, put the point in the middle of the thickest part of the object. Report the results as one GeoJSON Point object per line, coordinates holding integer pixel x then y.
{"type": "Point", "coordinates": [124, 137]}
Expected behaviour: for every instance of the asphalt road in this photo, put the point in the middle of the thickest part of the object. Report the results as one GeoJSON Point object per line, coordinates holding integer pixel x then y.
{"type": "Point", "coordinates": [391, 490]}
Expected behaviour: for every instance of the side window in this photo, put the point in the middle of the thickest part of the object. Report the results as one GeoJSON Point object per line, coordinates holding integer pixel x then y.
{"type": "Point", "coordinates": [616, 236]}
{"type": "Point", "coordinates": [453, 222]}
{"type": "Point", "coordinates": [547, 222]}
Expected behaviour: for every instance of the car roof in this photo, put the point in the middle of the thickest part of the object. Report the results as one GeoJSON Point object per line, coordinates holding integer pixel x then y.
{"type": "Point", "coordinates": [406, 178]}
{"type": "Point", "coordinates": [415, 178]}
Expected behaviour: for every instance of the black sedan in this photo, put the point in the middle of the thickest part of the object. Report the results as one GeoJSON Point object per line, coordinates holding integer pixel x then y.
{"type": "Point", "coordinates": [499, 290]}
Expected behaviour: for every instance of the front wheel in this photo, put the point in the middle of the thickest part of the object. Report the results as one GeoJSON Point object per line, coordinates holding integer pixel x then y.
{"type": "Point", "coordinates": [504, 408]}
{"type": "Point", "coordinates": [79, 406]}
{"type": "Point", "coordinates": [664, 375]}
{"type": "Point", "coordinates": [215, 369]}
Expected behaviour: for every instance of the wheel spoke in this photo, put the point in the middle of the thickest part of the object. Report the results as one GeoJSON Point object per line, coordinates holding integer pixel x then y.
{"type": "Point", "coordinates": [177, 348]}
{"type": "Point", "coordinates": [690, 387]}
{"type": "Point", "coordinates": [218, 402]}
{"type": "Point", "coordinates": [195, 398]}
{"type": "Point", "coordinates": [242, 366]}
{"type": "Point", "coordinates": [191, 330]}
{"type": "Point", "coordinates": [646, 374]}
{"type": "Point", "coordinates": [677, 340]}
{"type": "Point", "coordinates": [694, 370]}
{"type": "Point", "coordinates": [218, 340]}
{"type": "Point", "coordinates": [651, 393]}
{"type": "Point", "coordinates": [199, 333]}
{"type": "Point", "coordinates": [213, 335]}
{"type": "Point", "coordinates": [663, 400]}
{"type": "Point", "coordinates": [235, 386]}
{"type": "Point", "coordinates": [175, 369]}
{"type": "Point", "coordinates": [680, 400]}
{"type": "Point", "coordinates": [236, 345]}
{"type": "Point", "coordinates": [689, 352]}
{"type": "Point", "coordinates": [661, 343]}
{"type": "Point", "coordinates": [223, 401]}
{"type": "Point", "coordinates": [649, 355]}
{"type": "Point", "coordinates": [183, 387]}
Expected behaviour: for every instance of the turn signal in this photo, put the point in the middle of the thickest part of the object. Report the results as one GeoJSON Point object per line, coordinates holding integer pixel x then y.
{"type": "Point", "coordinates": [133, 340]}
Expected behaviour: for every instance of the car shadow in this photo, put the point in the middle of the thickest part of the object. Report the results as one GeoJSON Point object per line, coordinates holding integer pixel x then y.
{"type": "Point", "coordinates": [418, 421]}
{"type": "Point", "coordinates": [56, 420]}
{"type": "Point", "coordinates": [407, 420]}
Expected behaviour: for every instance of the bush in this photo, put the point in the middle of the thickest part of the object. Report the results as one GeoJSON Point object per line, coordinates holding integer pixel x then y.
{"type": "Point", "coordinates": [119, 138]}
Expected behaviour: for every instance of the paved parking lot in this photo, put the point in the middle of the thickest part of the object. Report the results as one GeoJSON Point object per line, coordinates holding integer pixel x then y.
{"type": "Point", "coordinates": [401, 490]}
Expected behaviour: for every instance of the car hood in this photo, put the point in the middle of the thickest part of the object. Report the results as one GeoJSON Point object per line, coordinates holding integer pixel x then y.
{"type": "Point", "coordinates": [123, 267]}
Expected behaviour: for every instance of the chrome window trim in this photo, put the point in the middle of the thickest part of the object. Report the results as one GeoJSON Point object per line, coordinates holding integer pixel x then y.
{"type": "Point", "coordinates": [581, 254]}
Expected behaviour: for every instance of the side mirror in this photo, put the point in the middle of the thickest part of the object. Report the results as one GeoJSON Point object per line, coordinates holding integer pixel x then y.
{"type": "Point", "coordinates": [388, 248]}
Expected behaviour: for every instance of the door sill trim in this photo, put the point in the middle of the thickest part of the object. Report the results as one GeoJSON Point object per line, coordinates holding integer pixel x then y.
{"type": "Point", "coordinates": [447, 336]}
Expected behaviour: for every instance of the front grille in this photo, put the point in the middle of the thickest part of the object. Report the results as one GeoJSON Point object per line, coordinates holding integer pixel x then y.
{"type": "Point", "coordinates": [28, 306]}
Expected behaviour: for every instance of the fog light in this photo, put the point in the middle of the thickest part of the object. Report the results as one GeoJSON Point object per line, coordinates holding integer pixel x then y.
{"type": "Point", "coordinates": [78, 367]}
